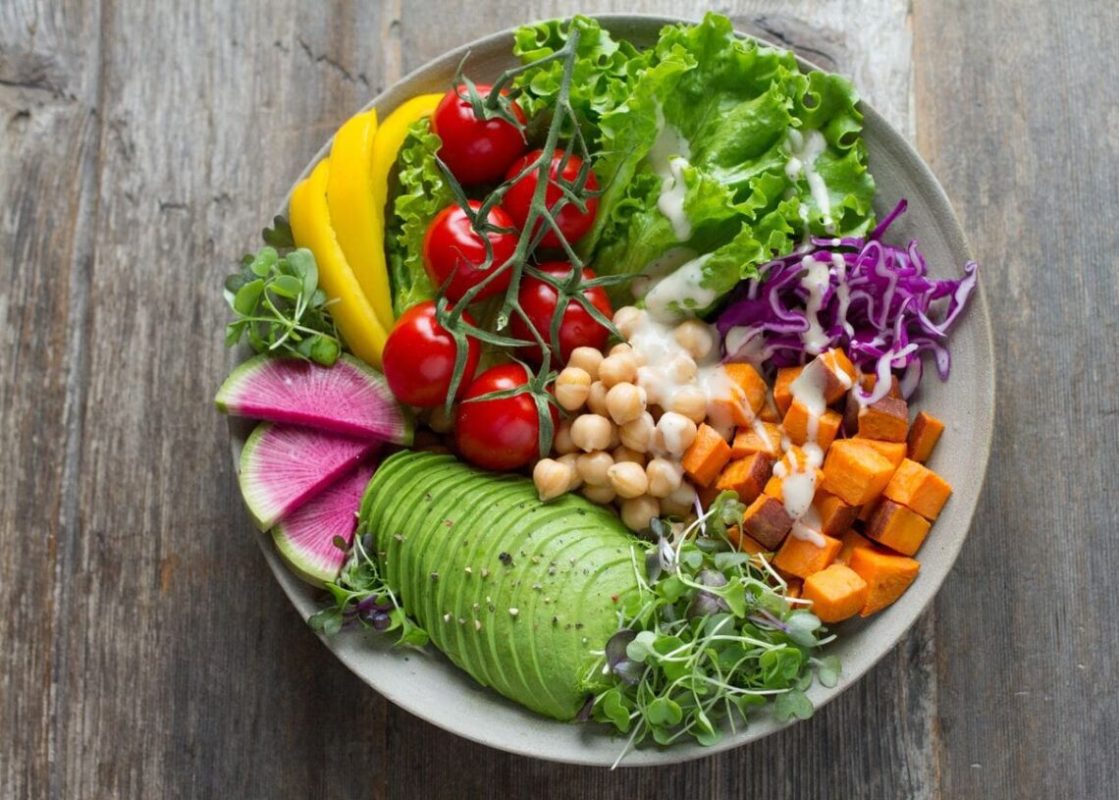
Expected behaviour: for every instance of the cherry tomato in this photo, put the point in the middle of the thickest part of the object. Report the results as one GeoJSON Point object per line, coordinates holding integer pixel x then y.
{"type": "Point", "coordinates": [577, 329]}
{"type": "Point", "coordinates": [572, 222]}
{"type": "Point", "coordinates": [476, 151]}
{"type": "Point", "coordinates": [499, 434]}
{"type": "Point", "coordinates": [419, 358]}
{"type": "Point", "coordinates": [453, 249]}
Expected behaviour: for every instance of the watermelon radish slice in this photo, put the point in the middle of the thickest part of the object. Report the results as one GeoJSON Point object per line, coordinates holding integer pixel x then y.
{"type": "Point", "coordinates": [305, 538]}
{"type": "Point", "coordinates": [282, 467]}
{"type": "Point", "coordinates": [350, 397]}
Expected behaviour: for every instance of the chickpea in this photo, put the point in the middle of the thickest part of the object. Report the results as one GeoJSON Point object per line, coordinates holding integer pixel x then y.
{"type": "Point", "coordinates": [561, 442]}
{"type": "Point", "coordinates": [625, 402]}
{"type": "Point", "coordinates": [682, 369]}
{"type": "Point", "coordinates": [675, 433]}
{"type": "Point", "coordinates": [615, 437]}
{"type": "Point", "coordinates": [617, 369]}
{"type": "Point", "coordinates": [439, 421]}
{"type": "Point", "coordinates": [623, 453]}
{"type": "Point", "coordinates": [628, 479]}
{"type": "Point", "coordinates": [649, 380]}
{"type": "Point", "coordinates": [622, 347]}
{"type": "Point", "coordinates": [665, 477]}
{"type": "Point", "coordinates": [696, 338]}
{"type": "Point", "coordinates": [637, 435]}
{"type": "Point", "coordinates": [690, 401]}
{"type": "Point", "coordinates": [596, 399]}
{"type": "Point", "coordinates": [552, 478]}
{"type": "Point", "coordinates": [573, 386]}
{"type": "Point", "coordinates": [594, 468]}
{"type": "Point", "coordinates": [627, 319]}
{"type": "Point", "coordinates": [572, 461]}
{"type": "Point", "coordinates": [599, 494]}
{"type": "Point", "coordinates": [638, 511]}
{"type": "Point", "coordinates": [591, 432]}
{"type": "Point", "coordinates": [586, 359]}
{"type": "Point", "coordinates": [681, 502]}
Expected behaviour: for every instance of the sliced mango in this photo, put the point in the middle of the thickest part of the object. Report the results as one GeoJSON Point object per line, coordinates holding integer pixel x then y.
{"type": "Point", "coordinates": [351, 309]}
{"type": "Point", "coordinates": [357, 218]}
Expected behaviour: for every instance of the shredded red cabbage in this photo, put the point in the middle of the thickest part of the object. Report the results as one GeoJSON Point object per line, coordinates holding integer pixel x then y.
{"type": "Point", "coordinates": [877, 304]}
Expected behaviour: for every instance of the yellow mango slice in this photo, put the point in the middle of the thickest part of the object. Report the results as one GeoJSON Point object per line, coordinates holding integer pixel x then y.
{"type": "Point", "coordinates": [352, 311]}
{"type": "Point", "coordinates": [390, 137]}
{"type": "Point", "coordinates": [356, 216]}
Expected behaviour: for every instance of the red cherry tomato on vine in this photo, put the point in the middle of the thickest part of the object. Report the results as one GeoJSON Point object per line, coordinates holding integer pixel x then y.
{"type": "Point", "coordinates": [500, 434]}
{"type": "Point", "coordinates": [572, 222]}
{"type": "Point", "coordinates": [476, 151]}
{"type": "Point", "coordinates": [454, 251]}
{"type": "Point", "coordinates": [577, 328]}
{"type": "Point", "coordinates": [419, 358]}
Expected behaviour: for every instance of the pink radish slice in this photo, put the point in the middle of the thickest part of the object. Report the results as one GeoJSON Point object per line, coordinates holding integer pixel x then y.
{"type": "Point", "coordinates": [349, 398]}
{"type": "Point", "coordinates": [305, 539]}
{"type": "Point", "coordinates": [283, 467]}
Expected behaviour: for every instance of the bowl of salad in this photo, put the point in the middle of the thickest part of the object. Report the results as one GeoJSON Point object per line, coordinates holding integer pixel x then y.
{"type": "Point", "coordinates": [613, 390]}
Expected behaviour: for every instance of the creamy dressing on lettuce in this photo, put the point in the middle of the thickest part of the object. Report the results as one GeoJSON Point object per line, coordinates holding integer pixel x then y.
{"type": "Point", "coordinates": [804, 149]}
{"type": "Point", "coordinates": [672, 296]}
{"type": "Point", "coordinates": [669, 158]}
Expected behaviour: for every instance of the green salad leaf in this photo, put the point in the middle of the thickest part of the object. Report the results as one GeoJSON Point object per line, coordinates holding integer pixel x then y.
{"type": "Point", "coordinates": [423, 192]}
{"type": "Point", "coordinates": [738, 133]}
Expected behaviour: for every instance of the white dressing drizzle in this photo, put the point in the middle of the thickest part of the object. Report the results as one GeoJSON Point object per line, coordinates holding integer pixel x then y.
{"type": "Point", "coordinates": [669, 158]}
{"type": "Point", "coordinates": [816, 280]}
{"type": "Point", "coordinates": [804, 149]}
{"type": "Point", "coordinates": [680, 290]}
{"type": "Point", "coordinates": [798, 484]}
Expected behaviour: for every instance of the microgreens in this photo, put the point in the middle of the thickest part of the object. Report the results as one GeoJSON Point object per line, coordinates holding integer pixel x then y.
{"type": "Point", "coordinates": [361, 596]}
{"type": "Point", "coordinates": [277, 302]}
{"type": "Point", "coordinates": [708, 637]}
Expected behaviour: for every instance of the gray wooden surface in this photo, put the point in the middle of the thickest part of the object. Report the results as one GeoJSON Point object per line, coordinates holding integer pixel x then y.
{"type": "Point", "coordinates": [144, 648]}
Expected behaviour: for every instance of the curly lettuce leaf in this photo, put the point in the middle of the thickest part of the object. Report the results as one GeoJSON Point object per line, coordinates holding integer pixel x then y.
{"type": "Point", "coordinates": [730, 104]}
{"type": "Point", "coordinates": [422, 193]}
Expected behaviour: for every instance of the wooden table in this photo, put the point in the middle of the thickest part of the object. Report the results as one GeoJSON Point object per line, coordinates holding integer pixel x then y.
{"type": "Point", "coordinates": [144, 648]}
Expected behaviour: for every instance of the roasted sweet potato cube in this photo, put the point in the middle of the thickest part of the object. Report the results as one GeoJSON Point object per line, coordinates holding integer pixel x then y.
{"type": "Point", "coordinates": [763, 437]}
{"type": "Point", "coordinates": [746, 378]}
{"type": "Point", "coordinates": [869, 380]}
{"type": "Point", "coordinates": [854, 472]}
{"type": "Point", "coordinates": [837, 593]}
{"type": "Point", "coordinates": [886, 420]}
{"type": "Point", "coordinates": [918, 487]}
{"type": "Point", "coordinates": [924, 433]}
{"type": "Point", "coordinates": [745, 542]}
{"type": "Point", "coordinates": [707, 456]}
{"type": "Point", "coordinates": [794, 461]}
{"type": "Point", "coordinates": [802, 556]}
{"type": "Point", "coordinates": [782, 393]}
{"type": "Point", "coordinates": [851, 540]}
{"type": "Point", "coordinates": [894, 451]}
{"type": "Point", "coordinates": [835, 515]}
{"type": "Point", "coordinates": [841, 373]}
{"type": "Point", "coordinates": [866, 511]}
{"type": "Point", "coordinates": [769, 412]}
{"type": "Point", "coordinates": [793, 588]}
{"type": "Point", "coordinates": [897, 527]}
{"type": "Point", "coordinates": [798, 421]}
{"type": "Point", "coordinates": [746, 476]}
{"type": "Point", "coordinates": [887, 576]}
{"type": "Point", "coordinates": [767, 521]}
{"type": "Point", "coordinates": [852, 407]}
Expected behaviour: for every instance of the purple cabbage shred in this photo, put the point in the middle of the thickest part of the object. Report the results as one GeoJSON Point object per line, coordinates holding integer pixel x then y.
{"type": "Point", "coordinates": [879, 305]}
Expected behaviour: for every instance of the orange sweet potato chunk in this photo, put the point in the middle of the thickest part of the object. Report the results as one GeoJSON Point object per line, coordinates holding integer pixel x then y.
{"type": "Point", "coordinates": [745, 542]}
{"type": "Point", "coordinates": [894, 451]}
{"type": "Point", "coordinates": [851, 541]}
{"type": "Point", "coordinates": [895, 526]}
{"type": "Point", "coordinates": [769, 412]}
{"type": "Point", "coordinates": [802, 557]}
{"type": "Point", "coordinates": [837, 593]}
{"type": "Point", "coordinates": [707, 456]}
{"type": "Point", "coordinates": [887, 576]}
{"type": "Point", "coordinates": [841, 374]}
{"type": "Point", "coordinates": [750, 382]}
{"type": "Point", "coordinates": [782, 394]}
{"type": "Point", "coordinates": [855, 472]}
{"type": "Point", "coordinates": [886, 420]}
{"type": "Point", "coordinates": [746, 476]}
{"type": "Point", "coordinates": [918, 487]}
{"type": "Point", "coordinates": [767, 521]}
{"type": "Point", "coordinates": [924, 433]}
{"type": "Point", "coordinates": [750, 440]}
{"type": "Point", "coordinates": [835, 515]}
{"type": "Point", "coordinates": [796, 424]}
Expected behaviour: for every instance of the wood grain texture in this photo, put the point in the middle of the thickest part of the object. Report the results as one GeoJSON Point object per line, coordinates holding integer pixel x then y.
{"type": "Point", "coordinates": [145, 650]}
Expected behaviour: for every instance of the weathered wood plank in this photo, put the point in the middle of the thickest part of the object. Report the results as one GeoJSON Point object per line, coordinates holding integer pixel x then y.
{"type": "Point", "coordinates": [49, 133]}
{"type": "Point", "coordinates": [1023, 134]}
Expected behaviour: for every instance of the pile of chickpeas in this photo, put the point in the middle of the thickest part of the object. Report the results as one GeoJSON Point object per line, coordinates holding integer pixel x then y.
{"type": "Point", "coordinates": [621, 445]}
